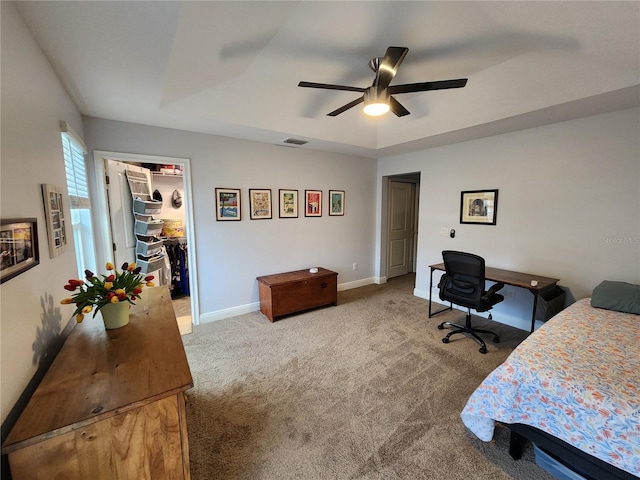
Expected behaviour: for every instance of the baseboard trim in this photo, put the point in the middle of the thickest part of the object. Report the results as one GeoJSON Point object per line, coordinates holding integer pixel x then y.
{"type": "Point", "coordinates": [356, 284]}
{"type": "Point", "coordinates": [229, 312]}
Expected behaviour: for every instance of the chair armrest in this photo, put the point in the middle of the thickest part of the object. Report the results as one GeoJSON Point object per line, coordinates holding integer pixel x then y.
{"type": "Point", "coordinates": [494, 288]}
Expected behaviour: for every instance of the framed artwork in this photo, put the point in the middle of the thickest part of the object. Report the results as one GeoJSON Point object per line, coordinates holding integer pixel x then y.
{"type": "Point", "coordinates": [260, 203]}
{"type": "Point", "coordinates": [288, 203]}
{"type": "Point", "coordinates": [479, 207]}
{"type": "Point", "coordinates": [228, 204]}
{"type": "Point", "coordinates": [18, 247]}
{"type": "Point", "coordinates": [54, 219]}
{"type": "Point", "coordinates": [313, 203]}
{"type": "Point", "coordinates": [336, 202]}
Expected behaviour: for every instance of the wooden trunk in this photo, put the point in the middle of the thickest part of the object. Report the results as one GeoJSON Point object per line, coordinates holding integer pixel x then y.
{"type": "Point", "coordinates": [292, 292]}
{"type": "Point", "coordinates": [112, 404]}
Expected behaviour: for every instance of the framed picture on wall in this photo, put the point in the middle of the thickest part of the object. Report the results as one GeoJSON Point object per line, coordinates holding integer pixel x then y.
{"type": "Point", "coordinates": [259, 203]}
{"type": "Point", "coordinates": [18, 247]}
{"type": "Point", "coordinates": [228, 204]}
{"type": "Point", "coordinates": [336, 202]}
{"type": "Point", "coordinates": [479, 207]}
{"type": "Point", "coordinates": [288, 202]}
{"type": "Point", "coordinates": [54, 219]}
{"type": "Point", "coordinates": [313, 203]}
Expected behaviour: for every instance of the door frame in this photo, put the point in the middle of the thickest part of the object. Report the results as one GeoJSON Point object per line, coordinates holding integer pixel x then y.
{"type": "Point", "coordinates": [104, 240]}
{"type": "Point", "coordinates": [413, 178]}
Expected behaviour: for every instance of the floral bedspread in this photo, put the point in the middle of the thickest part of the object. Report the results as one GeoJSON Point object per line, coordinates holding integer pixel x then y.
{"type": "Point", "coordinates": [577, 378]}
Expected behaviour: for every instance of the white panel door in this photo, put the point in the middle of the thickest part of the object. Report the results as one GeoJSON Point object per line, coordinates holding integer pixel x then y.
{"type": "Point", "coordinates": [400, 244]}
{"type": "Point", "coordinates": [121, 210]}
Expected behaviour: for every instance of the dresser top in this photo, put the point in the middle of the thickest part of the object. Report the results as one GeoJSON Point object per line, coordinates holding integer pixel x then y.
{"type": "Point", "coordinates": [99, 373]}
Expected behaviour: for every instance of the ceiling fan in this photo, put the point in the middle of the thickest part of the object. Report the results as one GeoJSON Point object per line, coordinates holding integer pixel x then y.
{"type": "Point", "coordinates": [377, 98]}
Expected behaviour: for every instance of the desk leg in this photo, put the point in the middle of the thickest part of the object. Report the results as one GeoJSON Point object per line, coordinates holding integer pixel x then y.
{"type": "Point", "coordinates": [431, 314]}
{"type": "Point", "coordinates": [533, 313]}
{"type": "Point", "coordinates": [430, 289]}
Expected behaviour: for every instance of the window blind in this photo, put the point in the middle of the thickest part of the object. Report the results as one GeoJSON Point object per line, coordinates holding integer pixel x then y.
{"type": "Point", "coordinates": [76, 171]}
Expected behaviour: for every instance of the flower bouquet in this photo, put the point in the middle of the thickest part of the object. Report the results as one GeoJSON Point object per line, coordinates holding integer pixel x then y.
{"type": "Point", "coordinates": [93, 293]}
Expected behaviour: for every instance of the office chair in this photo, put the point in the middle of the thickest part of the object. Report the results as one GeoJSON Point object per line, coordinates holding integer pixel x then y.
{"type": "Point", "coordinates": [463, 284]}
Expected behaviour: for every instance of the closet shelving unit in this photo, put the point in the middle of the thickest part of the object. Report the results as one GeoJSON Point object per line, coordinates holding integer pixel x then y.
{"type": "Point", "coordinates": [149, 256]}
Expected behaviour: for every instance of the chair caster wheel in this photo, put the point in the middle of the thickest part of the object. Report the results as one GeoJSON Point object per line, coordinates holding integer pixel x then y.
{"type": "Point", "coordinates": [441, 327]}
{"type": "Point", "coordinates": [483, 350]}
{"type": "Point", "coordinates": [445, 340]}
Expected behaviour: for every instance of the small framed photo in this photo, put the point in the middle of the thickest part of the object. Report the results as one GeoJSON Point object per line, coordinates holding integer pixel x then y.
{"type": "Point", "coordinates": [54, 219]}
{"type": "Point", "coordinates": [260, 203]}
{"type": "Point", "coordinates": [288, 203]}
{"type": "Point", "coordinates": [479, 207]}
{"type": "Point", "coordinates": [18, 247]}
{"type": "Point", "coordinates": [228, 204]}
{"type": "Point", "coordinates": [313, 203]}
{"type": "Point", "coordinates": [336, 202]}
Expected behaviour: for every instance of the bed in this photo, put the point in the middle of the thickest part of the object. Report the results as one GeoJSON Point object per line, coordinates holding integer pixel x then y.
{"type": "Point", "coordinates": [573, 387]}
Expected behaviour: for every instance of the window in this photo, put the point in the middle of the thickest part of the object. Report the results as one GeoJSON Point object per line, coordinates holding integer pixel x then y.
{"type": "Point", "coordinates": [74, 162]}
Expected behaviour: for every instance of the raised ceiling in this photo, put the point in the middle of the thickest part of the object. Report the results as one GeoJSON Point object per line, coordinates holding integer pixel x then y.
{"type": "Point", "coordinates": [232, 68]}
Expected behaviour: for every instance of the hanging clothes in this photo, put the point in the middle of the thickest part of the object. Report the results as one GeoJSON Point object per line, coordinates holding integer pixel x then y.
{"type": "Point", "coordinates": [179, 270]}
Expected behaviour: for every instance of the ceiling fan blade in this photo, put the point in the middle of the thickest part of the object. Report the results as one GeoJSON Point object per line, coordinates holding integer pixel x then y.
{"type": "Point", "coordinates": [389, 66]}
{"type": "Point", "coordinates": [396, 108]}
{"type": "Point", "coordinates": [328, 86]}
{"type": "Point", "coordinates": [346, 107]}
{"type": "Point", "coordinates": [425, 86]}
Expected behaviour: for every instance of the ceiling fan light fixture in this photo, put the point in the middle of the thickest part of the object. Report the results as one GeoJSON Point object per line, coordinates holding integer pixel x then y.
{"type": "Point", "coordinates": [376, 102]}
{"type": "Point", "coordinates": [376, 109]}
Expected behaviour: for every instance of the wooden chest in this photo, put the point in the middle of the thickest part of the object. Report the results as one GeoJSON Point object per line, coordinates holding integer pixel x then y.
{"type": "Point", "coordinates": [292, 292]}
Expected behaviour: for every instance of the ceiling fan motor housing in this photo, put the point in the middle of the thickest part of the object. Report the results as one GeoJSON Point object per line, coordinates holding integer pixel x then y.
{"type": "Point", "coordinates": [375, 95]}
{"type": "Point", "coordinates": [376, 101]}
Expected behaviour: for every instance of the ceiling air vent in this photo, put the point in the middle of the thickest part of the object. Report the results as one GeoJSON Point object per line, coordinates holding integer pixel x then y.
{"type": "Point", "coordinates": [294, 141]}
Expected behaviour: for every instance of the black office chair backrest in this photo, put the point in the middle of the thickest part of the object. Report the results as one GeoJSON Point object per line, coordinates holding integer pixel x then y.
{"type": "Point", "coordinates": [463, 282]}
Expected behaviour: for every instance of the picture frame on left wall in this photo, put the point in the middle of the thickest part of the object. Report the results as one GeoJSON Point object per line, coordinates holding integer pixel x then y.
{"type": "Point", "coordinates": [19, 249]}
{"type": "Point", "coordinates": [55, 219]}
{"type": "Point", "coordinates": [228, 204]}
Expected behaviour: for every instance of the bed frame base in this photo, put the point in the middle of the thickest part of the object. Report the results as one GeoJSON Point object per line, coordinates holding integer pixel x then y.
{"type": "Point", "coordinates": [588, 466]}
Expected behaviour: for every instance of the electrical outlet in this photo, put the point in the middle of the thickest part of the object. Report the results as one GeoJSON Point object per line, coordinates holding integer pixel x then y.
{"type": "Point", "coordinates": [355, 267]}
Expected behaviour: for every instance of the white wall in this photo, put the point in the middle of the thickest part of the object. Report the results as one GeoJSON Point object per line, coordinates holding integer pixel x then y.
{"type": "Point", "coordinates": [33, 103]}
{"type": "Point", "coordinates": [232, 254]}
{"type": "Point", "coordinates": [569, 204]}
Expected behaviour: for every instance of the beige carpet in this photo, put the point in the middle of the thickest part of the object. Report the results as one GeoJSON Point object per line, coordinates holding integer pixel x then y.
{"type": "Point", "coordinates": [364, 390]}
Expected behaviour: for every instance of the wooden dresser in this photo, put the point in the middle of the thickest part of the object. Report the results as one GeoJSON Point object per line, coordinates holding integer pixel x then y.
{"type": "Point", "coordinates": [112, 404]}
{"type": "Point", "coordinates": [291, 292]}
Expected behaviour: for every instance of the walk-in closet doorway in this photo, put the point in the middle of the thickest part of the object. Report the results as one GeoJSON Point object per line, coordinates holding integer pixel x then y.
{"type": "Point", "coordinates": [115, 220]}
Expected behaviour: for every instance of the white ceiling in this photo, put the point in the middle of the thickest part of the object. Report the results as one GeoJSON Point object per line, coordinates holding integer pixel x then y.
{"type": "Point", "coordinates": [232, 68]}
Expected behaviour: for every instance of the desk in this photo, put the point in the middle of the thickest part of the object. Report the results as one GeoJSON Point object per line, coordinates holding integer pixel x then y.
{"type": "Point", "coordinates": [508, 277]}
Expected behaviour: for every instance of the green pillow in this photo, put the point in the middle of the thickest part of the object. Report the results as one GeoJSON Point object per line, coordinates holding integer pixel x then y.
{"type": "Point", "coordinates": [618, 296]}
